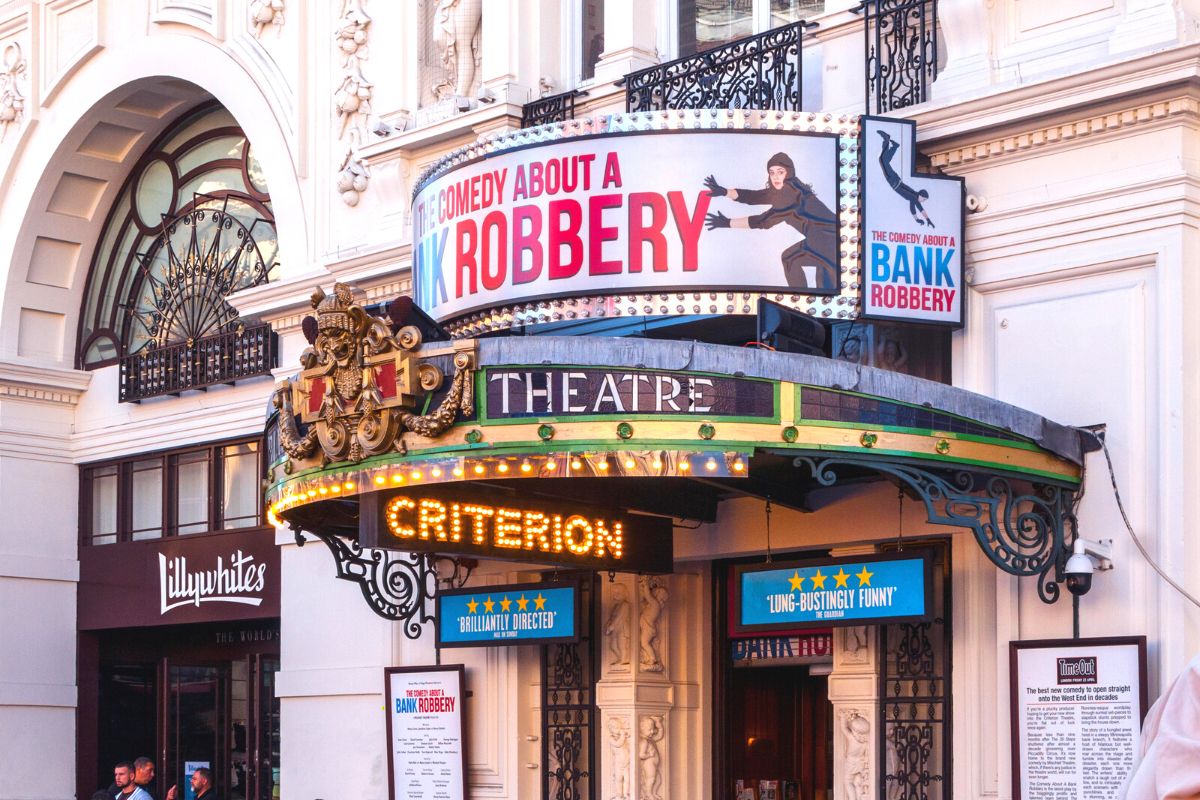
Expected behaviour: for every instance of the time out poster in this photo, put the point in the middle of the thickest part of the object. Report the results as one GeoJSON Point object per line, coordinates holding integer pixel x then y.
{"type": "Point", "coordinates": [742, 210]}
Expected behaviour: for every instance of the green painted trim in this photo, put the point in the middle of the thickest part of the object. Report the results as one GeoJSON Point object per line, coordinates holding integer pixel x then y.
{"type": "Point", "coordinates": [1019, 444]}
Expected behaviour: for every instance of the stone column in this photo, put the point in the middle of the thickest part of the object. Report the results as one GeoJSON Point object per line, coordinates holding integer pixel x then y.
{"type": "Point", "coordinates": [854, 694]}
{"type": "Point", "coordinates": [629, 38]}
{"type": "Point", "coordinates": [635, 694]}
{"type": "Point", "coordinates": [964, 26]}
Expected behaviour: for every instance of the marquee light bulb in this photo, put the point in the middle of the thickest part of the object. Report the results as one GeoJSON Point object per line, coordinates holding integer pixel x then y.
{"type": "Point", "coordinates": [551, 465]}
{"type": "Point", "coordinates": [349, 486]}
{"type": "Point", "coordinates": [397, 478]}
{"type": "Point", "coordinates": [739, 465]}
{"type": "Point", "coordinates": [416, 476]}
{"type": "Point", "coordinates": [657, 464]}
{"type": "Point", "coordinates": [526, 466]}
{"type": "Point", "coordinates": [576, 463]}
{"type": "Point", "coordinates": [380, 480]}
{"type": "Point", "coordinates": [684, 466]}
{"type": "Point", "coordinates": [435, 472]}
{"type": "Point", "coordinates": [603, 464]}
{"type": "Point", "coordinates": [711, 464]}
{"type": "Point", "coordinates": [629, 463]}
{"type": "Point", "coordinates": [479, 469]}
{"type": "Point", "coordinates": [502, 467]}
{"type": "Point", "coordinates": [458, 472]}
{"type": "Point", "coordinates": [336, 488]}
{"type": "Point", "coordinates": [323, 490]}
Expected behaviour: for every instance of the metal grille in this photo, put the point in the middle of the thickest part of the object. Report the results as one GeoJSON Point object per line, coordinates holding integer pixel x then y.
{"type": "Point", "coordinates": [915, 699]}
{"type": "Point", "coordinates": [221, 358]}
{"type": "Point", "coordinates": [762, 71]}
{"type": "Point", "coordinates": [554, 108]}
{"type": "Point", "coordinates": [901, 48]}
{"type": "Point", "coordinates": [569, 714]}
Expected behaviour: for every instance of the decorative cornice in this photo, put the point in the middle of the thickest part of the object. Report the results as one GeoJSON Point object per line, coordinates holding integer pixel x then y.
{"type": "Point", "coordinates": [1068, 130]}
{"type": "Point", "coordinates": [28, 381]}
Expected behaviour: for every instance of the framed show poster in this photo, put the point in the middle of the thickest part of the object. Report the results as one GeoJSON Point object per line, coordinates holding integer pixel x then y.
{"type": "Point", "coordinates": [427, 755]}
{"type": "Point", "coordinates": [1077, 710]}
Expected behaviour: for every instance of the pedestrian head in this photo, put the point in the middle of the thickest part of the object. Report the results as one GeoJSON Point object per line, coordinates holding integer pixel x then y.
{"type": "Point", "coordinates": [123, 774]}
{"type": "Point", "coordinates": [143, 771]}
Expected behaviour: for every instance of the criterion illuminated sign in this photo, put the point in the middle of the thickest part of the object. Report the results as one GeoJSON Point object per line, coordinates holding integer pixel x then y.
{"type": "Point", "coordinates": [491, 524]}
{"type": "Point", "coordinates": [845, 591]}
{"type": "Point", "coordinates": [529, 613]}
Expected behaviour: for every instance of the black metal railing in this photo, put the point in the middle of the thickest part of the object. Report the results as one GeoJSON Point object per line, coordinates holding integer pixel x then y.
{"type": "Point", "coordinates": [762, 71]}
{"type": "Point", "coordinates": [553, 108]}
{"type": "Point", "coordinates": [220, 358]}
{"type": "Point", "coordinates": [901, 52]}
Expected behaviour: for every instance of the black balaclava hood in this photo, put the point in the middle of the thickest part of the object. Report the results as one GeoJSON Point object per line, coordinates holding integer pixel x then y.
{"type": "Point", "coordinates": [782, 160]}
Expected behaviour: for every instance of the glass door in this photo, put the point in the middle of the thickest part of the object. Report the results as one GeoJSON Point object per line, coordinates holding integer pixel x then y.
{"type": "Point", "coordinates": [266, 740]}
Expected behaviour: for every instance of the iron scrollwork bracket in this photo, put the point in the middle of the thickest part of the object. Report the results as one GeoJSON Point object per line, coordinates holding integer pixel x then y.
{"type": "Point", "coordinates": [1024, 534]}
{"type": "Point", "coordinates": [397, 586]}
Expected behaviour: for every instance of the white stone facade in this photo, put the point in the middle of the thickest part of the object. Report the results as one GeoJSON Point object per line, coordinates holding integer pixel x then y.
{"type": "Point", "coordinates": [1076, 125]}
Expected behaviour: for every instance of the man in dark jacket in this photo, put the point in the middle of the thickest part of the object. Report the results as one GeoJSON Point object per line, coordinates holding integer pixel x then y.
{"type": "Point", "coordinates": [202, 786]}
{"type": "Point", "coordinates": [792, 202]}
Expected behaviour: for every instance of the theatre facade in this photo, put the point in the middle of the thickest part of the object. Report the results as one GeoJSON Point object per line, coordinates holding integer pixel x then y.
{"type": "Point", "coordinates": [608, 401]}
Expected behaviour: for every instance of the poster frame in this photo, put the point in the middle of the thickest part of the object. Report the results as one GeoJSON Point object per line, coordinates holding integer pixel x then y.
{"type": "Point", "coordinates": [863, 261]}
{"type": "Point", "coordinates": [509, 587]}
{"type": "Point", "coordinates": [737, 628]}
{"type": "Point", "coordinates": [1014, 649]}
{"type": "Point", "coordinates": [388, 672]}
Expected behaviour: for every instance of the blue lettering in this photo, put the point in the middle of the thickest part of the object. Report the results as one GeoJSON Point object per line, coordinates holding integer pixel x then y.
{"type": "Point", "coordinates": [880, 271]}
{"type": "Point", "coordinates": [901, 268]}
{"type": "Point", "coordinates": [943, 266]}
{"type": "Point", "coordinates": [923, 265]}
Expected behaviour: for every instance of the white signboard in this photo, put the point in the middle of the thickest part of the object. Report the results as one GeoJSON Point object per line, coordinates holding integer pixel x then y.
{"type": "Point", "coordinates": [639, 212]}
{"type": "Point", "coordinates": [426, 755]}
{"type": "Point", "coordinates": [912, 231]}
{"type": "Point", "coordinates": [1077, 708]}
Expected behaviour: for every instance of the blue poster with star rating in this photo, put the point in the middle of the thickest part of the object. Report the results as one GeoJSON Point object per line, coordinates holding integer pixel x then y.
{"type": "Point", "coordinates": [847, 591]}
{"type": "Point", "coordinates": [526, 613]}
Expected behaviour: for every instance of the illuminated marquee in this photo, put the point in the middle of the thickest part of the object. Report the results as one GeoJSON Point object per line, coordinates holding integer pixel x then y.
{"type": "Point", "coordinates": [547, 532]}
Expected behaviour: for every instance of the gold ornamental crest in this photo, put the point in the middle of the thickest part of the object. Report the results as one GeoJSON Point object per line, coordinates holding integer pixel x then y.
{"type": "Point", "coordinates": [362, 380]}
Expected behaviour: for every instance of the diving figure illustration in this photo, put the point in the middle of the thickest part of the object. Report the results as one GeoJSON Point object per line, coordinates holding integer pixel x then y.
{"type": "Point", "coordinates": [794, 203]}
{"type": "Point", "coordinates": [909, 194]}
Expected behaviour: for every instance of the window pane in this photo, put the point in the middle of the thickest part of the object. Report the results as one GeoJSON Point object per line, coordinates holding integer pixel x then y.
{"type": "Point", "coordinates": [104, 505]}
{"type": "Point", "coordinates": [704, 24]}
{"type": "Point", "coordinates": [785, 12]}
{"type": "Point", "coordinates": [240, 488]}
{"type": "Point", "coordinates": [191, 487]}
{"type": "Point", "coordinates": [147, 477]}
{"type": "Point", "coordinates": [593, 36]}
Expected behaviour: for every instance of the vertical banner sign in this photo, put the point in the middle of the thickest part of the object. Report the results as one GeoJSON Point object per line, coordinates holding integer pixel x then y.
{"type": "Point", "coordinates": [427, 756]}
{"type": "Point", "coordinates": [1077, 709]}
{"type": "Point", "coordinates": [912, 230]}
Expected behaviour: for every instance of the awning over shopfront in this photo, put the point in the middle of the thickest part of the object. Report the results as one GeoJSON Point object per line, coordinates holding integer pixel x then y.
{"type": "Point", "coordinates": [537, 448]}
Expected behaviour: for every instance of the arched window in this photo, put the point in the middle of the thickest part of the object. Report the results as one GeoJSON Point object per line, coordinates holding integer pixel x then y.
{"type": "Point", "coordinates": [191, 225]}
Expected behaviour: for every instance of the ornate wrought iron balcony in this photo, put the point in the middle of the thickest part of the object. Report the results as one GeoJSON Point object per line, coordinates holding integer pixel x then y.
{"type": "Point", "coordinates": [762, 71]}
{"type": "Point", "coordinates": [902, 52]}
{"type": "Point", "coordinates": [554, 108]}
{"type": "Point", "coordinates": [220, 358]}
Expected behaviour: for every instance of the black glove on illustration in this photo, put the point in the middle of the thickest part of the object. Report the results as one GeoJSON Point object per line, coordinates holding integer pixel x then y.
{"type": "Point", "coordinates": [717, 220]}
{"type": "Point", "coordinates": [714, 189]}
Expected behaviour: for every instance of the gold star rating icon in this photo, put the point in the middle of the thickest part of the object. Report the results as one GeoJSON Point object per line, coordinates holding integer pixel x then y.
{"type": "Point", "coordinates": [841, 577]}
{"type": "Point", "coordinates": [472, 605]}
{"type": "Point", "coordinates": [796, 581]}
{"type": "Point", "coordinates": [864, 577]}
{"type": "Point", "coordinates": [819, 580]}
{"type": "Point", "coordinates": [488, 605]}
{"type": "Point", "coordinates": [522, 603]}
{"type": "Point", "coordinates": [505, 604]}
{"type": "Point", "coordinates": [539, 602]}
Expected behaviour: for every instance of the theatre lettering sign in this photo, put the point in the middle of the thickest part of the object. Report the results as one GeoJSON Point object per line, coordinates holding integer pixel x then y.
{"type": "Point", "coordinates": [682, 213]}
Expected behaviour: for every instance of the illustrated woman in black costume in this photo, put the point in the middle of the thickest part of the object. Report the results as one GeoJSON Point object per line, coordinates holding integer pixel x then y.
{"type": "Point", "coordinates": [794, 203]}
{"type": "Point", "coordinates": [911, 195]}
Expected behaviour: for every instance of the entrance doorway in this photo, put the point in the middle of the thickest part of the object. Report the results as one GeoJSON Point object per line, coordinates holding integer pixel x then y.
{"type": "Point", "coordinates": [196, 706]}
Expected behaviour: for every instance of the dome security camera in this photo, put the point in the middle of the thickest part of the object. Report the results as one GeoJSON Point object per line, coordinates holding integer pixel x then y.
{"type": "Point", "coordinates": [1086, 557]}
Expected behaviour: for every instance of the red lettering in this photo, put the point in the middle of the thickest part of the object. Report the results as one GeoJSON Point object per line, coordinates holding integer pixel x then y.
{"type": "Point", "coordinates": [689, 227]}
{"type": "Point", "coordinates": [466, 237]}
{"type": "Point", "coordinates": [526, 242]}
{"type": "Point", "coordinates": [495, 261]}
{"type": "Point", "coordinates": [612, 171]}
{"type": "Point", "coordinates": [641, 233]}
{"type": "Point", "coordinates": [535, 179]}
{"type": "Point", "coordinates": [598, 234]}
{"type": "Point", "coordinates": [565, 237]}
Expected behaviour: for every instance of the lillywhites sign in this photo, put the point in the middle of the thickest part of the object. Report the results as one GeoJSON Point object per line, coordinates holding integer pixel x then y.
{"type": "Point", "coordinates": [832, 592]}
{"type": "Point", "coordinates": [912, 230]}
{"type": "Point", "coordinates": [238, 579]}
{"type": "Point", "coordinates": [695, 210]}
{"type": "Point", "coordinates": [516, 392]}
{"type": "Point", "coordinates": [535, 613]}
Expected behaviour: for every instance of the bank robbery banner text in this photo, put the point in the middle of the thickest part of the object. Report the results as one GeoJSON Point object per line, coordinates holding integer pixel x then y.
{"type": "Point", "coordinates": [639, 212]}
{"type": "Point", "coordinates": [531, 613]}
{"type": "Point", "coordinates": [912, 231]}
{"type": "Point", "coordinates": [848, 591]}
